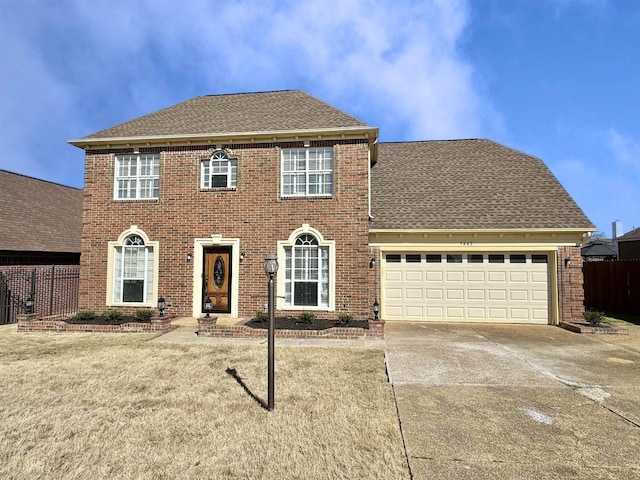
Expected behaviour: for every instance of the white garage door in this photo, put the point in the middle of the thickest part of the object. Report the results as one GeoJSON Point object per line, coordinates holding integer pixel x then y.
{"type": "Point", "coordinates": [456, 287]}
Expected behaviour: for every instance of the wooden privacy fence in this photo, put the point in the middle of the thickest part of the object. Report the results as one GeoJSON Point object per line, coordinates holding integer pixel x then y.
{"type": "Point", "coordinates": [613, 286]}
{"type": "Point", "coordinates": [51, 290]}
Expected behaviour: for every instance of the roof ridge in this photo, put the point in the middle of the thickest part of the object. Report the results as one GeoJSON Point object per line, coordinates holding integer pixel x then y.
{"type": "Point", "coordinates": [249, 93]}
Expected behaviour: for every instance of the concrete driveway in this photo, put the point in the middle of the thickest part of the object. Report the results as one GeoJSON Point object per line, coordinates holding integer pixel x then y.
{"type": "Point", "coordinates": [516, 402]}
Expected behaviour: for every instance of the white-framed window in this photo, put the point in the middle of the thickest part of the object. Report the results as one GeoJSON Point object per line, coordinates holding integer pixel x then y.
{"type": "Point", "coordinates": [137, 177]}
{"type": "Point", "coordinates": [307, 172]}
{"type": "Point", "coordinates": [307, 280]}
{"type": "Point", "coordinates": [133, 269]}
{"type": "Point", "coordinates": [219, 172]}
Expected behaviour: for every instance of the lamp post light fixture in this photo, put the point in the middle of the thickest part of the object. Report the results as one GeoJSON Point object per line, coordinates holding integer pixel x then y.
{"type": "Point", "coordinates": [207, 306]}
{"type": "Point", "coordinates": [271, 268]}
{"type": "Point", "coordinates": [161, 306]}
{"type": "Point", "coordinates": [30, 303]}
{"type": "Point", "coordinates": [376, 310]}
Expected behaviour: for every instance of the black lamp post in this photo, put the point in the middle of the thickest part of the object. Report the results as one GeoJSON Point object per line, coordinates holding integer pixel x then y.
{"type": "Point", "coordinates": [376, 310]}
{"type": "Point", "coordinates": [207, 306]}
{"type": "Point", "coordinates": [161, 306]}
{"type": "Point", "coordinates": [271, 268]}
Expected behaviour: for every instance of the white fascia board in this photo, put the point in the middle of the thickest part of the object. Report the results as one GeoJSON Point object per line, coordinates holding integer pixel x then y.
{"type": "Point", "coordinates": [370, 133]}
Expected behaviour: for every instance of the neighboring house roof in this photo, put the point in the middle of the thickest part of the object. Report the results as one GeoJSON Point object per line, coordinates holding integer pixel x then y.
{"type": "Point", "coordinates": [598, 248]}
{"type": "Point", "coordinates": [235, 113]}
{"type": "Point", "coordinates": [467, 184]}
{"type": "Point", "coordinates": [39, 216]}
{"type": "Point", "coordinates": [630, 236]}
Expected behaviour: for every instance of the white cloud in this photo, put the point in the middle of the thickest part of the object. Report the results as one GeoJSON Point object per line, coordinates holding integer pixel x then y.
{"type": "Point", "coordinates": [73, 67]}
{"type": "Point", "coordinates": [626, 153]}
{"type": "Point", "coordinates": [605, 190]}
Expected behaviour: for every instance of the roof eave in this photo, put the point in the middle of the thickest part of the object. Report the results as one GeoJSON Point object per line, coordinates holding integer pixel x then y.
{"type": "Point", "coordinates": [481, 230]}
{"type": "Point", "coordinates": [370, 133]}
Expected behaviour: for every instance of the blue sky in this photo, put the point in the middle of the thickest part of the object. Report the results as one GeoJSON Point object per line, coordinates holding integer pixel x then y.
{"type": "Point", "coordinates": [557, 79]}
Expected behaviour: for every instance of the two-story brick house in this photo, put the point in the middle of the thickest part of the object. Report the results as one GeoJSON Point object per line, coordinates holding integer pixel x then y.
{"type": "Point", "coordinates": [186, 202]}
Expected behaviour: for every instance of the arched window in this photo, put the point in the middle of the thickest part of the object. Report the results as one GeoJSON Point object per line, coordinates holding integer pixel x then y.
{"type": "Point", "coordinates": [133, 269]}
{"type": "Point", "coordinates": [306, 275]}
{"type": "Point", "coordinates": [219, 171]}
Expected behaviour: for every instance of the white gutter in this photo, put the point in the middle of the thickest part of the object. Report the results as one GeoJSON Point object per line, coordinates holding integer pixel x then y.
{"type": "Point", "coordinates": [370, 133]}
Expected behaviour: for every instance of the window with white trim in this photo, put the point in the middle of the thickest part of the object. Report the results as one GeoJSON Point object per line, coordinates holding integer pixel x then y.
{"type": "Point", "coordinates": [306, 273]}
{"type": "Point", "coordinates": [137, 177]}
{"type": "Point", "coordinates": [133, 264]}
{"type": "Point", "coordinates": [307, 172]}
{"type": "Point", "coordinates": [219, 172]}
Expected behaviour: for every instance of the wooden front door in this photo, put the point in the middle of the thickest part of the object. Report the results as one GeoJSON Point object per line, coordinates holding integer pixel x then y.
{"type": "Point", "coordinates": [217, 279]}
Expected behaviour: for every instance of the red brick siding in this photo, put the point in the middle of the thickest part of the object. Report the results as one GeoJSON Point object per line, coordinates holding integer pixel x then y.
{"type": "Point", "coordinates": [254, 212]}
{"type": "Point", "coordinates": [570, 285]}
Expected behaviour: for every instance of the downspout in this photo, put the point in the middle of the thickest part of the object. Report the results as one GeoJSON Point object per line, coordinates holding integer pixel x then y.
{"type": "Point", "coordinates": [369, 178]}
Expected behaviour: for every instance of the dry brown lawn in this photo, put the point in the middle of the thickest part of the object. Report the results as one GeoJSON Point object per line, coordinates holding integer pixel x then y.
{"type": "Point", "coordinates": [104, 406]}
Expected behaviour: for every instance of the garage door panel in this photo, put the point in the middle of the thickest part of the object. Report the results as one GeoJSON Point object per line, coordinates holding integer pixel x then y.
{"type": "Point", "coordinates": [539, 313]}
{"type": "Point", "coordinates": [477, 313]}
{"type": "Point", "coordinates": [413, 294]}
{"type": "Point", "coordinates": [494, 276]}
{"type": "Point", "coordinates": [393, 276]}
{"type": "Point", "coordinates": [497, 295]}
{"type": "Point", "coordinates": [413, 277]}
{"type": "Point", "coordinates": [394, 293]}
{"type": "Point", "coordinates": [455, 294]}
{"type": "Point", "coordinates": [498, 313]}
{"type": "Point", "coordinates": [434, 276]}
{"type": "Point", "coordinates": [454, 276]}
{"type": "Point", "coordinates": [518, 277]}
{"type": "Point", "coordinates": [455, 313]}
{"type": "Point", "coordinates": [519, 313]}
{"type": "Point", "coordinates": [539, 277]}
{"type": "Point", "coordinates": [467, 291]}
{"type": "Point", "coordinates": [478, 277]}
{"type": "Point", "coordinates": [435, 294]}
{"type": "Point", "coordinates": [414, 312]}
{"type": "Point", "coordinates": [539, 295]}
{"type": "Point", "coordinates": [518, 295]}
{"type": "Point", "coordinates": [475, 295]}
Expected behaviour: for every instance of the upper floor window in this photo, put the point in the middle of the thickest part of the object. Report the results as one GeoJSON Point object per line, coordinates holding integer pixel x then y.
{"type": "Point", "coordinates": [219, 172]}
{"type": "Point", "coordinates": [307, 172]}
{"type": "Point", "coordinates": [137, 176]}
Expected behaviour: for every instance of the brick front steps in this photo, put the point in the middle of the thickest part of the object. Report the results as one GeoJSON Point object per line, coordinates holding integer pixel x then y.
{"type": "Point", "coordinates": [56, 324]}
{"type": "Point", "coordinates": [208, 327]}
{"type": "Point", "coordinates": [604, 328]}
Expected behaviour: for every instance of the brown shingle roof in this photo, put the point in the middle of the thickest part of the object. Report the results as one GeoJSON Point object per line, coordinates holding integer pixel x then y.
{"type": "Point", "coordinates": [39, 216]}
{"type": "Point", "coordinates": [236, 113]}
{"type": "Point", "coordinates": [630, 236]}
{"type": "Point", "coordinates": [467, 184]}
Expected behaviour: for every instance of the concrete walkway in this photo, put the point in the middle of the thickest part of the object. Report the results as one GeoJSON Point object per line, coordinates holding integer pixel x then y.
{"type": "Point", "coordinates": [516, 402]}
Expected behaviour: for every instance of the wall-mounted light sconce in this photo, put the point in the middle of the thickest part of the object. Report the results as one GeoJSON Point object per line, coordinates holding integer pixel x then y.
{"type": "Point", "coordinates": [242, 255]}
{"type": "Point", "coordinates": [189, 257]}
{"type": "Point", "coordinates": [567, 262]}
{"type": "Point", "coordinates": [208, 306]}
{"type": "Point", "coordinates": [307, 143]}
{"type": "Point", "coordinates": [161, 306]}
{"type": "Point", "coordinates": [372, 262]}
